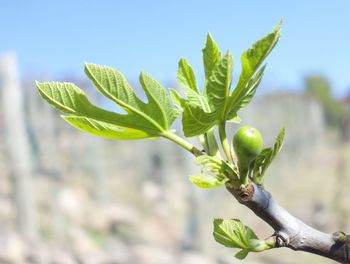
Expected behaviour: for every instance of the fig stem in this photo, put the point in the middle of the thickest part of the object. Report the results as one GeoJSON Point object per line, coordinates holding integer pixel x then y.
{"type": "Point", "coordinates": [224, 141]}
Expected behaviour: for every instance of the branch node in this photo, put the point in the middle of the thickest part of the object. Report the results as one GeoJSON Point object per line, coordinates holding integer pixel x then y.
{"type": "Point", "coordinates": [244, 193]}
{"type": "Point", "coordinates": [282, 239]}
{"type": "Point", "coordinates": [339, 237]}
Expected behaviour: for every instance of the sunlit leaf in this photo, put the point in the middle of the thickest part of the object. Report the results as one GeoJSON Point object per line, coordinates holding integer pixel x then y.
{"type": "Point", "coordinates": [186, 76]}
{"type": "Point", "coordinates": [251, 61]}
{"type": "Point", "coordinates": [196, 121]}
{"type": "Point", "coordinates": [233, 233]}
{"type": "Point", "coordinates": [143, 120]}
{"type": "Point", "coordinates": [246, 97]}
{"type": "Point", "coordinates": [265, 158]}
{"type": "Point", "coordinates": [219, 83]}
{"type": "Point", "coordinates": [206, 181]}
{"type": "Point", "coordinates": [211, 55]}
{"type": "Point", "coordinates": [106, 130]}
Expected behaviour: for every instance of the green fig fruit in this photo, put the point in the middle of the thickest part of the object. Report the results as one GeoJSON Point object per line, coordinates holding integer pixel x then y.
{"type": "Point", "coordinates": [247, 143]}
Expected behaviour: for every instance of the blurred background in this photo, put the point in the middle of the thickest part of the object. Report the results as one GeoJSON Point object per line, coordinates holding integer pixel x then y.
{"type": "Point", "coordinates": [68, 197]}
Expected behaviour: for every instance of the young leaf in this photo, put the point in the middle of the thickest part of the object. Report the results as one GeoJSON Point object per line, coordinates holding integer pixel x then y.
{"type": "Point", "coordinates": [206, 181]}
{"type": "Point", "coordinates": [242, 254]}
{"type": "Point", "coordinates": [233, 233]}
{"type": "Point", "coordinates": [265, 158]}
{"type": "Point", "coordinates": [196, 121]}
{"type": "Point", "coordinates": [211, 55]}
{"type": "Point", "coordinates": [223, 105]}
{"type": "Point", "coordinates": [251, 61]}
{"type": "Point", "coordinates": [217, 166]}
{"type": "Point", "coordinates": [254, 56]}
{"type": "Point", "coordinates": [279, 143]}
{"type": "Point", "coordinates": [187, 79]}
{"type": "Point", "coordinates": [186, 76]}
{"type": "Point", "coordinates": [246, 97]}
{"type": "Point", "coordinates": [219, 83]}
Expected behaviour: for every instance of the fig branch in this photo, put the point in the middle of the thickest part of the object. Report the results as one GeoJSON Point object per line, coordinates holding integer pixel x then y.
{"type": "Point", "coordinates": [290, 231]}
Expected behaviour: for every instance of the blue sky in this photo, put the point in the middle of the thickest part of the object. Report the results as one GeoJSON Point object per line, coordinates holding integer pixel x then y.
{"type": "Point", "coordinates": [57, 37]}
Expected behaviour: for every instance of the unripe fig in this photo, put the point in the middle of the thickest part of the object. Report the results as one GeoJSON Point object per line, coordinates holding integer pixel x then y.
{"type": "Point", "coordinates": [247, 143]}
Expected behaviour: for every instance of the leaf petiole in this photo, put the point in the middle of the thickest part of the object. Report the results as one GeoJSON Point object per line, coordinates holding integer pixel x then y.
{"type": "Point", "coordinates": [224, 141]}
{"type": "Point", "coordinates": [181, 142]}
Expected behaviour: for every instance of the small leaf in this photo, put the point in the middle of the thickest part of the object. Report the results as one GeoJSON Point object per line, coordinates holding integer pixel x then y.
{"type": "Point", "coordinates": [177, 99]}
{"type": "Point", "coordinates": [186, 76]}
{"type": "Point", "coordinates": [279, 142]}
{"type": "Point", "coordinates": [206, 181]}
{"type": "Point", "coordinates": [265, 158]}
{"type": "Point", "coordinates": [251, 61]}
{"type": "Point", "coordinates": [196, 121]}
{"type": "Point", "coordinates": [254, 56]}
{"type": "Point", "coordinates": [198, 99]}
{"type": "Point", "coordinates": [247, 95]}
{"type": "Point", "coordinates": [242, 254]}
{"type": "Point", "coordinates": [211, 55]}
{"type": "Point", "coordinates": [260, 165]}
{"type": "Point", "coordinates": [219, 83]}
{"type": "Point", "coordinates": [233, 233]}
{"type": "Point", "coordinates": [220, 168]}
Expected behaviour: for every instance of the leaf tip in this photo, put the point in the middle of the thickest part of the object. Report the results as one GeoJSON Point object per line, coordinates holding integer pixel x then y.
{"type": "Point", "coordinates": [278, 27]}
{"type": "Point", "coordinates": [142, 76]}
{"type": "Point", "coordinates": [210, 40]}
{"type": "Point", "coordinates": [38, 84]}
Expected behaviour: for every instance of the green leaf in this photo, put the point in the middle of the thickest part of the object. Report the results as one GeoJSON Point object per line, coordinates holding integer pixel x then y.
{"type": "Point", "coordinates": [211, 55]}
{"type": "Point", "coordinates": [254, 56]}
{"type": "Point", "coordinates": [206, 181]}
{"type": "Point", "coordinates": [242, 254]}
{"type": "Point", "coordinates": [251, 61]}
{"type": "Point", "coordinates": [198, 99]}
{"type": "Point", "coordinates": [70, 99]}
{"type": "Point", "coordinates": [196, 121]}
{"type": "Point", "coordinates": [158, 113]}
{"type": "Point", "coordinates": [220, 168]}
{"type": "Point", "coordinates": [233, 233]}
{"type": "Point", "coordinates": [106, 130]}
{"type": "Point", "coordinates": [223, 105]}
{"type": "Point", "coordinates": [143, 120]}
{"type": "Point", "coordinates": [247, 95]}
{"type": "Point", "coordinates": [219, 83]}
{"type": "Point", "coordinates": [177, 99]}
{"type": "Point", "coordinates": [265, 158]}
{"type": "Point", "coordinates": [279, 142]}
{"type": "Point", "coordinates": [196, 116]}
{"type": "Point", "coordinates": [187, 79]}
{"type": "Point", "coordinates": [186, 76]}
